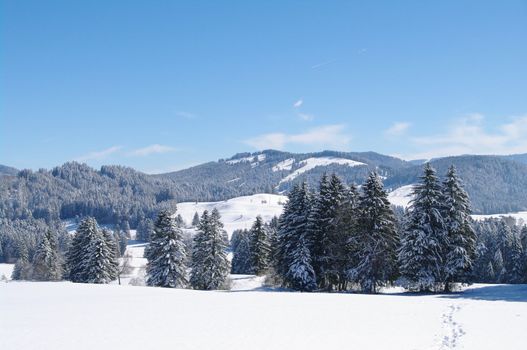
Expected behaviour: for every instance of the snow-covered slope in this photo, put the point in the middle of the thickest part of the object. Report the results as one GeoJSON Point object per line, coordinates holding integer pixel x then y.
{"type": "Point", "coordinates": [521, 217]}
{"type": "Point", "coordinates": [401, 196]}
{"type": "Point", "coordinates": [5, 271]}
{"type": "Point", "coordinates": [239, 212]}
{"type": "Point", "coordinates": [62, 315]}
{"type": "Point", "coordinates": [312, 163]}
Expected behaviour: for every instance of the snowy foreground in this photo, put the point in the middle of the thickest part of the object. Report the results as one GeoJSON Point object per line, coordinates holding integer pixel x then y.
{"type": "Point", "coordinates": [63, 315]}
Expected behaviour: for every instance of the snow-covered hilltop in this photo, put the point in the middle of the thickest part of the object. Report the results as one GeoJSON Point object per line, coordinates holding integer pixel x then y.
{"type": "Point", "coordinates": [237, 213]}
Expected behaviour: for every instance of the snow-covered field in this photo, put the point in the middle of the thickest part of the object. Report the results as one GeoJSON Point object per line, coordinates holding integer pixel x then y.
{"type": "Point", "coordinates": [401, 196]}
{"type": "Point", "coordinates": [6, 270]}
{"type": "Point", "coordinates": [63, 315]}
{"type": "Point", "coordinates": [239, 212]}
{"type": "Point", "coordinates": [520, 216]}
{"type": "Point", "coordinates": [311, 163]}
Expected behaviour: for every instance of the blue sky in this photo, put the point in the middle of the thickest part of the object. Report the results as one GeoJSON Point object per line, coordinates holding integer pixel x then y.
{"type": "Point", "coordinates": [162, 85]}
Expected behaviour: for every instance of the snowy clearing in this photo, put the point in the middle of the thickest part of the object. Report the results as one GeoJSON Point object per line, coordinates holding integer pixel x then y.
{"type": "Point", "coordinates": [284, 165]}
{"type": "Point", "coordinates": [311, 163]}
{"type": "Point", "coordinates": [519, 216]}
{"type": "Point", "coordinates": [5, 271]}
{"type": "Point", "coordinates": [237, 213]}
{"type": "Point", "coordinates": [57, 316]}
{"type": "Point", "coordinates": [401, 196]}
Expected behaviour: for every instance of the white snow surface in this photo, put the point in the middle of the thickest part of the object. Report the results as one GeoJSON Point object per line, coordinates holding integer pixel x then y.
{"type": "Point", "coordinates": [284, 165]}
{"type": "Point", "coordinates": [63, 315]}
{"type": "Point", "coordinates": [521, 217]}
{"type": "Point", "coordinates": [311, 163]}
{"type": "Point", "coordinates": [401, 196]}
{"type": "Point", "coordinates": [239, 212]}
{"type": "Point", "coordinates": [5, 271]}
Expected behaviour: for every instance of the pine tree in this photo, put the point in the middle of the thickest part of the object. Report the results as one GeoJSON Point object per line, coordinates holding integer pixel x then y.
{"type": "Point", "coordinates": [421, 255]}
{"type": "Point", "coordinates": [326, 243]}
{"type": "Point", "coordinates": [241, 259]}
{"type": "Point", "coordinates": [166, 254]}
{"type": "Point", "coordinates": [515, 273]}
{"type": "Point", "coordinates": [377, 238]}
{"type": "Point", "coordinates": [102, 265]}
{"type": "Point", "coordinates": [47, 265]}
{"type": "Point", "coordinates": [460, 252]}
{"type": "Point", "coordinates": [195, 220]}
{"type": "Point", "coordinates": [78, 253]}
{"type": "Point", "coordinates": [292, 226]}
{"type": "Point", "coordinates": [210, 266]}
{"type": "Point", "coordinates": [260, 249]}
{"type": "Point", "coordinates": [144, 229]}
{"type": "Point", "coordinates": [22, 268]}
{"type": "Point", "coordinates": [301, 274]}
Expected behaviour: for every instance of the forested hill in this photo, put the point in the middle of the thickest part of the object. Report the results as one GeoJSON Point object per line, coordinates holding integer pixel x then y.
{"type": "Point", "coordinates": [115, 194]}
{"type": "Point", "coordinates": [7, 170]}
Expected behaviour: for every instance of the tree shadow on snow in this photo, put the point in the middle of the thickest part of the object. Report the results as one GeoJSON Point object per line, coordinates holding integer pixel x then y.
{"type": "Point", "coordinates": [499, 292]}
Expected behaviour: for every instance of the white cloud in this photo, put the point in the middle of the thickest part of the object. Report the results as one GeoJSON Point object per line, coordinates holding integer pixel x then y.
{"type": "Point", "coordinates": [323, 136]}
{"type": "Point", "coordinates": [298, 103]}
{"type": "Point", "coordinates": [152, 149]}
{"type": "Point", "coordinates": [186, 115]}
{"type": "Point", "coordinates": [469, 136]}
{"type": "Point", "coordinates": [97, 155]}
{"type": "Point", "coordinates": [397, 129]}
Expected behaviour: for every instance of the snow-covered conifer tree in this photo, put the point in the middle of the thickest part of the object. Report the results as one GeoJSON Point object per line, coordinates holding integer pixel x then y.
{"type": "Point", "coordinates": [102, 265]}
{"type": "Point", "coordinates": [260, 249]}
{"type": "Point", "coordinates": [195, 220]}
{"type": "Point", "coordinates": [241, 259]}
{"type": "Point", "coordinates": [47, 264]}
{"type": "Point", "coordinates": [22, 268]}
{"type": "Point", "coordinates": [377, 238]}
{"type": "Point", "coordinates": [461, 239]}
{"type": "Point", "coordinates": [301, 275]}
{"type": "Point", "coordinates": [166, 254]}
{"type": "Point", "coordinates": [78, 253]}
{"type": "Point", "coordinates": [424, 239]}
{"type": "Point", "coordinates": [292, 226]}
{"type": "Point", "coordinates": [210, 266]}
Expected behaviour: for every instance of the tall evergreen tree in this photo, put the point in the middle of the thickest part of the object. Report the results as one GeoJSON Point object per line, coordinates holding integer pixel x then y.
{"type": "Point", "coordinates": [22, 268]}
{"type": "Point", "coordinates": [195, 220]}
{"type": "Point", "coordinates": [210, 266]}
{"type": "Point", "coordinates": [47, 264]}
{"type": "Point", "coordinates": [301, 275]}
{"type": "Point", "coordinates": [241, 259]}
{"type": "Point", "coordinates": [461, 238]}
{"type": "Point", "coordinates": [166, 255]}
{"type": "Point", "coordinates": [102, 265]}
{"type": "Point", "coordinates": [291, 228]}
{"type": "Point", "coordinates": [260, 249]}
{"type": "Point", "coordinates": [325, 241]}
{"type": "Point", "coordinates": [377, 238]}
{"type": "Point", "coordinates": [78, 253]}
{"type": "Point", "coordinates": [421, 255]}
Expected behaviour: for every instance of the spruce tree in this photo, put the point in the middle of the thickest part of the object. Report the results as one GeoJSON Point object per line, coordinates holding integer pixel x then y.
{"type": "Point", "coordinates": [102, 265]}
{"type": "Point", "coordinates": [210, 266]}
{"type": "Point", "coordinates": [78, 253]}
{"type": "Point", "coordinates": [260, 249]}
{"type": "Point", "coordinates": [423, 243]}
{"type": "Point", "coordinates": [241, 258]}
{"type": "Point", "coordinates": [47, 264]}
{"type": "Point", "coordinates": [22, 268]}
{"type": "Point", "coordinates": [377, 238]}
{"type": "Point", "coordinates": [301, 275]}
{"type": "Point", "coordinates": [292, 226]}
{"type": "Point", "coordinates": [195, 220]}
{"type": "Point", "coordinates": [461, 238]}
{"type": "Point", "coordinates": [166, 266]}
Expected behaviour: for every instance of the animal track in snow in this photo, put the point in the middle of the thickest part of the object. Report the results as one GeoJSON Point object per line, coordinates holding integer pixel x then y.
{"type": "Point", "coordinates": [452, 330]}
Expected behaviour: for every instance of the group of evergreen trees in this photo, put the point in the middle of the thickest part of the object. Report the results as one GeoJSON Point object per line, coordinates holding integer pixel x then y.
{"type": "Point", "coordinates": [252, 249]}
{"type": "Point", "coordinates": [167, 254]}
{"type": "Point", "coordinates": [340, 237]}
{"type": "Point", "coordinates": [46, 264]}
